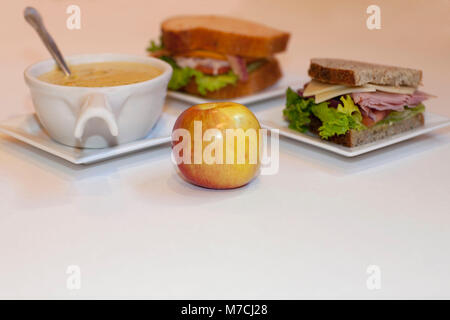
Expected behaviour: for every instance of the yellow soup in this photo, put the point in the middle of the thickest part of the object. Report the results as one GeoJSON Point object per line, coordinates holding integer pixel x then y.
{"type": "Point", "coordinates": [102, 74]}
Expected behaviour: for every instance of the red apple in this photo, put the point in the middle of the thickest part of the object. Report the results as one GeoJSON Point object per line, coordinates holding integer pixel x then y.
{"type": "Point", "coordinates": [216, 145]}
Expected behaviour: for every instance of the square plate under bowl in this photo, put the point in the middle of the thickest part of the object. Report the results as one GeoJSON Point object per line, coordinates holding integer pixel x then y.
{"type": "Point", "coordinates": [274, 91]}
{"type": "Point", "coordinates": [27, 128]}
{"type": "Point", "coordinates": [273, 119]}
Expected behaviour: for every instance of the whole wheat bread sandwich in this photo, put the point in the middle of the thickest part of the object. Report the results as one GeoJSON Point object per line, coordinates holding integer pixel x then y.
{"type": "Point", "coordinates": [219, 57]}
{"type": "Point", "coordinates": [353, 103]}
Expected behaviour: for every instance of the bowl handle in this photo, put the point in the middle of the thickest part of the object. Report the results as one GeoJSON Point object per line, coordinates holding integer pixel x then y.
{"type": "Point", "coordinates": [95, 106]}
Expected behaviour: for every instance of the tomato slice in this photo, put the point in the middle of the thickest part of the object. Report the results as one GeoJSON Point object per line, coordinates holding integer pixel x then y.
{"type": "Point", "coordinates": [379, 115]}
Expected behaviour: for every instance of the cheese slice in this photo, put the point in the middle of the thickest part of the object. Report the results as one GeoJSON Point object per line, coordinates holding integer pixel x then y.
{"type": "Point", "coordinates": [339, 92]}
{"type": "Point", "coordinates": [391, 89]}
{"type": "Point", "coordinates": [203, 54]}
{"type": "Point", "coordinates": [315, 87]}
{"type": "Point", "coordinates": [325, 91]}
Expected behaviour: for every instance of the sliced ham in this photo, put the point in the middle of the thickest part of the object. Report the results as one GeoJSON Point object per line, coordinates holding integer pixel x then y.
{"type": "Point", "coordinates": [388, 101]}
{"type": "Point", "coordinates": [239, 66]}
{"type": "Point", "coordinates": [205, 65]}
{"type": "Point", "coordinates": [375, 106]}
{"type": "Point", "coordinates": [215, 66]}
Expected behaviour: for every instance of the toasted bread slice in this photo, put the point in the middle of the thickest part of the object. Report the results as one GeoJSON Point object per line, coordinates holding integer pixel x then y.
{"type": "Point", "coordinates": [354, 138]}
{"type": "Point", "coordinates": [356, 73]}
{"type": "Point", "coordinates": [263, 77]}
{"type": "Point", "coordinates": [223, 35]}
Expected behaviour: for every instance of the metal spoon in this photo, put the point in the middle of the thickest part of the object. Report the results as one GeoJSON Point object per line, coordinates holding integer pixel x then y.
{"type": "Point", "coordinates": [35, 20]}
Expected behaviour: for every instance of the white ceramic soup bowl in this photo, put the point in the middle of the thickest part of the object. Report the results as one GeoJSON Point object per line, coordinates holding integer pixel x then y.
{"type": "Point", "coordinates": [98, 117]}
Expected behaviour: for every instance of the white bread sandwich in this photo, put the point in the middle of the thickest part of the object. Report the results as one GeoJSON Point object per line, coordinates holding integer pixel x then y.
{"type": "Point", "coordinates": [220, 57]}
{"type": "Point", "coordinates": [353, 103]}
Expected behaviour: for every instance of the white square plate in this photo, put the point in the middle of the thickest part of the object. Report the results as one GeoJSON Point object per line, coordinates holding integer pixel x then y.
{"type": "Point", "coordinates": [274, 91]}
{"type": "Point", "coordinates": [27, 129]}
{"type": "Point", "coordinates": [273, 119]}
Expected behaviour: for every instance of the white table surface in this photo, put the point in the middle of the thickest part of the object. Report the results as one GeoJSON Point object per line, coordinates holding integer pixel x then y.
{"type": "Point", "coordinates": [137, 230]}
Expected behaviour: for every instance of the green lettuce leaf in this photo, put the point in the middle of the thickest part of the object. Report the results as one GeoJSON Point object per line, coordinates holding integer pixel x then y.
{"type": "Point", "coordinates": [182, 76]}
{"type": "Point", "coordinates": [170, 61]}
{"type": "Point", "coordinates": [297, 111]}
{"type": "Point", "coordinates": [340, 120]}
{"type": "Point", "coordinates": [212, 83]}
{"type": "Point", "coordinates": [395, 116]}
{"type": "Point", "coordinates": [351, 109]}
{"type": "Point", "coordinates": [153, 47]}
{"type": "Point", "coordinates": [335, 121]}
{"type": "Point", "coordinates": [254, 65]}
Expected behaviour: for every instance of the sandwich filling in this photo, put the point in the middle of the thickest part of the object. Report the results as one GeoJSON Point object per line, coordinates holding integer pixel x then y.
{"type": "Point", "coordinates": [211, 71]}
{"type": "Point", "coordinates": [341, 108]}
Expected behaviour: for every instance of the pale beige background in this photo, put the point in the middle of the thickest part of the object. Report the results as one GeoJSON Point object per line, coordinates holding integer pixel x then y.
{"type": "Point", "coordinates": [137, 229]}
{"type": "Point", "coordinates": [414, 33]}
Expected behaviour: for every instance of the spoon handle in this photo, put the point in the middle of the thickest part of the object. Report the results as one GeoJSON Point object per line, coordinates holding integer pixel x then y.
{"type": "Point", "coordinates": [33, 17]}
